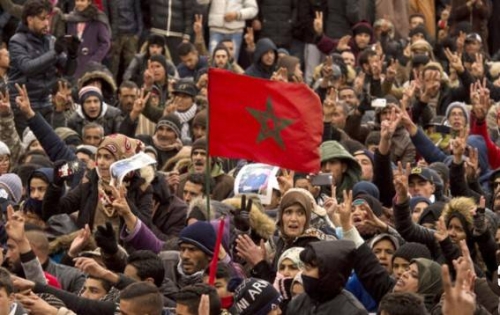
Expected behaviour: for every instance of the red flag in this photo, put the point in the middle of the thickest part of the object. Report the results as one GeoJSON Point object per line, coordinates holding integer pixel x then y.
{"type": "Point", "coordinates": [264, 121]}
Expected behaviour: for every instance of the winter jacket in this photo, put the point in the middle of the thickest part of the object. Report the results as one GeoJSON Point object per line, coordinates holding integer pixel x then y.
{"type": "Point", "coordinates": [34, 62]}
{"type": "Point", "coordinates": [125, 16]}
{"type": "Point", "coordinates": [95, 39]}
{"type": "Point", "coordinates": [71, 279]}
{"type": "Point", "coordinates": [478, 17]}
{"type": "Point", "coordinates": [383, 178]}
{"type": "Point", "coordinates": [170, 217]}
{"type": "Point", "coordinates": [84, 199]}
{"type": "Point", "coordinates": [341, 16]}
{"type": "Point", "coordinates": [335, 260]}
{"type": "Point", "coordinates": [480, 128]}
{"type": "Point", "coordinates": [109, 119]}
{"type": "Point", "coordinates": [277, 18]}
{"type": "Point", "coordinates": [257, 69]}
{"type": "Point", "coordinates": [10, 137]}
{"type": "Point", "coordinates": [172, 18]}
{"type": "Point", "coordinates": [185, 72]}
{"type": "Point", "coordinates": [246, 9]}
{"type": "Point", "coordinates": [306, 11]}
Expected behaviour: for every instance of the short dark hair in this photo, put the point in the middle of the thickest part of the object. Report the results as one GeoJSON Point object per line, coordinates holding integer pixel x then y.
{"type": "Point", "coordinates": [200, 179]}
{"type": "Point", "coordinates": [128, 85]}
{"type": "Point", "coordinates": [223, 271]}
{"type": "Point", "coordinates": [402, 304]}
{"type": "Point", "coordinates": [148, 265]}
{"type": "Point", "coordinates": [190, 296]}
{"type": "Point", "coordinates": [34, 8]}
{"type": "Point", "coordinates": [24, 172]}
{"type": "Point", "coordinates": [105, 283]}
{"type": "Point", "coordinates": [185, 48]}
{"type": "Point", "coordinates": [149, 297]}
{"type": "Point", "coordinates": [365, 55]}
{"type": "Point", "coordinates": [373, 138]}
{"type": "Point", "coordinates": [6, 283]}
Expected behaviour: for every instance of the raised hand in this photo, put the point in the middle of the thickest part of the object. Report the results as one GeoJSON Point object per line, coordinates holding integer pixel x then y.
{"type": "Point", "coordinates": [441, 232]}
{"type": "Point", "coordinates": [250, 38]}
{"type": "Point", "coordinates": [318, 23]}
{"type": "Point", "coordinates": [345, 211]}
{"type": "Point", "coordinates": [392, 70]}
{"type": "Point", "coordinates": [250, 252]}
{"type": "Point", "coordinates": [331, 206]}
{"type": "Point", "coordinates": [461, 41]}
{"type": "Point", "coordinates": [105, 238]}
{"type": "Point", "coordinates": [5, 107]}
{"type": "Point", "coordinates": [80, 241]}
{"type": "Point", "coordinates": [408, 94]}
{"type": "Point", "coordinates": [477, 67]}
{"type": "Point", "coordinates": [23, 101]}
{"type": "Point", "coordinates": [455, 60]}
{"type": "Point", "coordinates": [198, 25]}
{"type": "Point", "coordinates": [15, 225]}
{"type": "Point", "coordinates": [359, 82]}
{"type": "Point", "coordinates": [458, 146]}
{"type": "Point", "coordinates": [401, 182]}
{"type": "Point", "coordinates": [281, 75]}
{"type": "Point", "coordinates": [285, 181]}
{"type": "Point", "coordinates": [63, 96]}
{"type": "Point", "coordinates": [242, 215]}
{"type": "Point", "coordinates": [35, 305]}
{"type": "Point", "coordinates": [148, 76]}
{"type": "Point", "coordinates": [472, 164]}
{"type": "Point", "coordinates": [173, 180]}
{"type": "Point", "coordinates": [343, 43]}
{"type": "Point", "coordinates": [90, 267]}
{"type": "Point", "coordinates": [139, 104]}
{"type": "Point", "coordinates": [460, 297]}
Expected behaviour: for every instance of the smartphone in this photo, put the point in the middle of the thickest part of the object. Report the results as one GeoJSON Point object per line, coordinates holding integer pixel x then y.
{"type": "Point", "coordinates": [68, 169]}
{"type": "Point", "coordinates": [322, 179]}
{"type": "Point", "coordinates": [379, 103]}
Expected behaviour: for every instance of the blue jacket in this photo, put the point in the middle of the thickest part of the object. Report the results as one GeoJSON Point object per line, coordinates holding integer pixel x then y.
{"type": "Point", "coordinates": [34, 62]}
{"type": "Point", "coordinates": [356, 288]}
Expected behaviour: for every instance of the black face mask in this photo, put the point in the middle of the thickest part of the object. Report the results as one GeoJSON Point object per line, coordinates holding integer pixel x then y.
{"type": "Point", "coordinates": [312, 287]}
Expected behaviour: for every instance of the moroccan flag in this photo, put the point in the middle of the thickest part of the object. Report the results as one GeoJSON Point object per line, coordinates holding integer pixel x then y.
{"type": "Point", "coordinates": [264, 121]}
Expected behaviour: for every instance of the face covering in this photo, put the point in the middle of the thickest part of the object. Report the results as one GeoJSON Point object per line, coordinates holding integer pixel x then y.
{"type": "Point", "coordinates": [226, 302]}
{"type": "Point", "coordinates": [311, 287]}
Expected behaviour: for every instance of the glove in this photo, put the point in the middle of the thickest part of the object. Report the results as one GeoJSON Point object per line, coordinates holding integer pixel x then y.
{"type": "Point", "coordinates": [73, 44]}
{"type": "Point", "coordinates": [59, 173]}
{"type": "Point", "coordinates": [60, 45]}
{"type": "Point", "coordinates": [242, 215]}
{"type": "Point", "coordinates": [105, 238]}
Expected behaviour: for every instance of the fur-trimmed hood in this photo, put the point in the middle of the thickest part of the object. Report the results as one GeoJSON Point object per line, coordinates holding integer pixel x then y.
{"type": "Point", "coordinates": [462, 206]}
{"type": "Point", "coordinates": [95, 71]}
{"type": "Point", "coordinates": [260, 222]}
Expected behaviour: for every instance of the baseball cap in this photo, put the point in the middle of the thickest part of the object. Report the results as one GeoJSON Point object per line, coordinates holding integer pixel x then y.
{"type": "Point", "coordinates": [421, 172]}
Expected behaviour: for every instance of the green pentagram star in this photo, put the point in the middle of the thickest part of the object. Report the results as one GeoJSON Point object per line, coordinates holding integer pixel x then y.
{"type": "Point", "coordinates": [270, 124]}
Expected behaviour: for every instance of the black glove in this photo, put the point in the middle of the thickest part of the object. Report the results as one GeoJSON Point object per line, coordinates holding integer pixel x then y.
{"type": "Point", "coordinates": [242, 215]}
{"type": "Point", "coordinates": [73, 44]}
{"type": "Point", "coordinates": [105, 238]}
{"type": "Point", "coordinates": [58, 173]}
{"type": "Point", "coordinates": [60, 45]}
{"type": "Point", "coordinates": [480, 225]}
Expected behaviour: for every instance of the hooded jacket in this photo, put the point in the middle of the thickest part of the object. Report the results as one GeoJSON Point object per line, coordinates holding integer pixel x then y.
{"type": "Point", "coordinates": [257, 69]}
{"type": "Point", "coordinates": [109, 118]}
{"type": "Point", "coordinates": [335, 262]}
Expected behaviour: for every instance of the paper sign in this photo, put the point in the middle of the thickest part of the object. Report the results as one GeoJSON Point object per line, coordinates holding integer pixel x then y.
{"type": "Point", "coordinates": [119, 169]}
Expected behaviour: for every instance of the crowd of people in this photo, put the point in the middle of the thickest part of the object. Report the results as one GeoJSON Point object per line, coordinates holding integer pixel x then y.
{"type": "Point", "coordinates": [407, 221]}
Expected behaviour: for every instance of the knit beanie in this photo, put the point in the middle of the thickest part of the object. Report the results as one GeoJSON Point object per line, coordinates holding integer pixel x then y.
{"type": "Point", "coordinates": [374, 204]}
{"type": "Point", "coordinates": [28, 138]}
{"type": "Point", "coordinates": [418, 199]}
{"type": "Point", "coordinates": [120, 146]}
{"type": "Point", "coordinates": [200, 234]}
{"type": "Point", "coordinates": [87, 91]}
{"type": "Point", "coordinates": [364, 187]}
{"type": "Point", "coordinates": [90, 150]}
{"type": "Point", "coordinates": [155, 39]}
{"type": "Point", "coordinates": [253, 296]}
{"type": "Point", "coordinates": [460, 105]}
{"type": "Point", "coordinates": [12, 183]}
{"type": "Point", "coordinates": [4, 149]}
{"type": "Point", "coordinates": [362, 27]}
{"type": "Point", "coordinates": [69, 136]}
{"type": "Point", "coordinates": [366, 152]}
{"type": "Point", "coordinates": [172, 121]}
{"type": "Point", "coordinates": [200, 119]}
{"type": "Point", "coordinates": [161, 60]}
{"type": "Point", "coordinates": [410, 251]}
{"type": "Point", "coordinates": [199, 144]}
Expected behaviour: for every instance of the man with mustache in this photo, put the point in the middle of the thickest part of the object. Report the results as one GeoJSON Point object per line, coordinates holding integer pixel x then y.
{"type": "Point", "coordinates": [223, 183]}
{"type": "Point", "coordinates": [36, 58]}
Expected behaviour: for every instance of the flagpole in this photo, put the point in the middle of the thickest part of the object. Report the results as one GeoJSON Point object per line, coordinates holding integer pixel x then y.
{"type": "Point", "coordinates": [207, 163]}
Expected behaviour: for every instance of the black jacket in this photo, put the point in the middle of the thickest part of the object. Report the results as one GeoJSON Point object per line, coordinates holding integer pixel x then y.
{"type": "Point", "coordinates": [172, 17]}
{"type": "Point", "coordinates": [303, 29]}
{"type": "Point", "coordinates": [341, 16]}
{"type": "Point", "coordinates": [335, 259]}
{"type": "Point", "coordinates": [277, 18]}
{"type": "Point", "coordinates": [34, 62]}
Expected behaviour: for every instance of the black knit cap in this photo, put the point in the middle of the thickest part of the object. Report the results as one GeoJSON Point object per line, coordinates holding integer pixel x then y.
{"type": "Point", "coordinates": [155, 39]}
{"type": "Point", "coordinates": [362, 27]}
{"type": "Point", "coordinates": [409, 251]}
{"type": "Point", "coordinates": [161, 60]}
{"type": "Point", "coordinates": [199, 144]}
